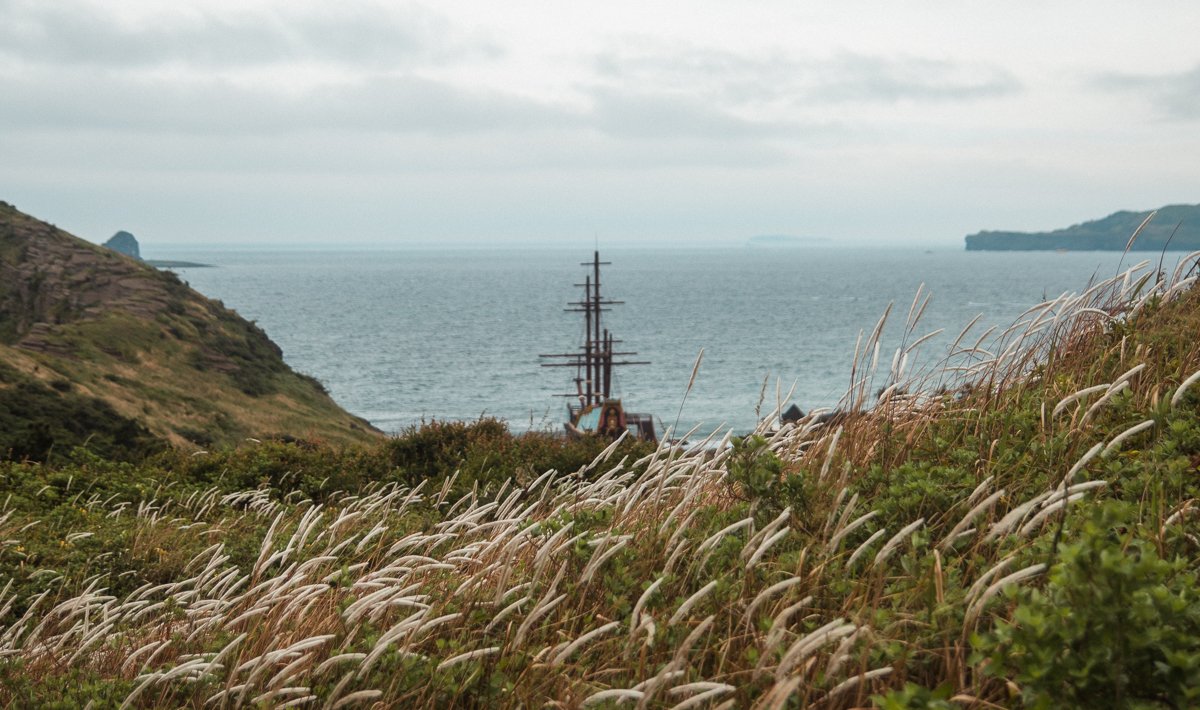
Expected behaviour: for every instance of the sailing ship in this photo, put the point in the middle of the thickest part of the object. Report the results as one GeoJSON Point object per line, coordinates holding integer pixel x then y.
{"type": "Point", "coordinates": [591, 408]}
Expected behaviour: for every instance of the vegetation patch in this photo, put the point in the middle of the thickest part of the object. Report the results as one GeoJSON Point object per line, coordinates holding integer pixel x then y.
{"type": "Point", "coordinates": [1015, 529]}
{"type": "Point", "coordinates": [45, 423]}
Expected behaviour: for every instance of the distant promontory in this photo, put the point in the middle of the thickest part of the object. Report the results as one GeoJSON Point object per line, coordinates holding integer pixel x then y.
{"type": "Point", "coordinates": [125, 243]}
{"type": "Point", "coordinates": [1173, 227]}
{"type": "Point", "coordinates": [782, 240]}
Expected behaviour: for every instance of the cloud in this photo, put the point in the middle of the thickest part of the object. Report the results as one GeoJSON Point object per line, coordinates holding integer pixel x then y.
{"type": "Point", "coordinates": [198, 88]}
{"type": "Point", "coordinates": [90, 155]}
{"type": "Point", "coordinates": [388, 104]}
{"type": "Point", "coordinates": [1176, 94]}
{"type": "Point", "coordinates": [856, 77]}
{"type": "Point", "coordinates": [54, 100]}
{"type": "Point", "coordinates": [666, 115]}
{"type": "Point", "coordinates": [776, 78]}
{"type": "Point", "coordinates": [76, 121]}
{"type": "Point", "coordinates": [76, 33]}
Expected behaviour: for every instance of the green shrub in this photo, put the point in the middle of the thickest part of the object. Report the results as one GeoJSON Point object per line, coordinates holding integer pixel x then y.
{"type": "Point", "coordinates": [915, 489]}
{"type": "Point", "coordinates": [915, 697]}
{"type": "Point", "coordinates": [761, 479]}
{"type": "Point", "coordinates": [1116, 626]}
{"type": "Point", "coordinates": [41, 423]}
{"type": "Point", "coordinates": [487, 453]}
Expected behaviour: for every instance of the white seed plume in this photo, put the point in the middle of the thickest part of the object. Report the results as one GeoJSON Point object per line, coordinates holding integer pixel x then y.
{"type": "Point", "coordinates": [358, 696]}
{"type": "Point", "coordinates": [1183, 388]}
{"type": "Point", "coordinates": [1113, 391]}
{"type": "Point", "coordinates": [727, 530]}
{"type": "Point", "coordinates": [583, 640]}
{"type": "Point", "coordinates": [468, 656]}
{"type": "Point", "coordinates": [641, 604]}
{"type": "Point", "coordinates": [768, 593]}
{"type": "Point", "coordinates": [980, 507]}
{"type": "Point", "coordinates": [805, 645]}
{"type": "Point", "coordinates": [704, 697]}
{"type": "Point", "coordinates": [890, 546]}
{"type": "Point", "coordinates": [1050, 509]}
{"type": "Point", "coordinates": [766, 545]}
{"type": "Point", "coordinates": [841, 534]}
{"type": "Point", "coordinates": [866, 544]}
{"type": "Point", "coordinates": [1083, 461]}
{"type": "Point", "coordinates": [617, 694]}
{"type": "Point", "coordinates": [1020, 575]}
{"type": "Point", "coordinates": [1071, 399]}
{"type": "Point", "coordinates": [691, 601]}
{"type": "Point", "coordinates": [852, 682]}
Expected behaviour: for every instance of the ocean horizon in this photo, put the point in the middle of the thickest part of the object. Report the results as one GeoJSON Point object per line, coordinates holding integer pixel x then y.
{"type": "Point", "coordinates": [409, 334]}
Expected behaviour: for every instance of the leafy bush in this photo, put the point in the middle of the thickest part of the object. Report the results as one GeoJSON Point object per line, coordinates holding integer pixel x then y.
{"type": "Point", "coordinates": [485, 452]}
{"type": "Point", "coordinates": [915, 697]}
{"type": "Point", "coordinates": [915, 489]}
{"type": "Point", "coordinates": [1116, 626]}
{"type": "Point", "coordinates": [41, 423]}
{"type": "Point", "coordinates": [761, 478]}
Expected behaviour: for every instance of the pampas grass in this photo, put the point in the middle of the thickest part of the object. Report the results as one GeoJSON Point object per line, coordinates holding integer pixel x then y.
{"type": "Point", "coordinates": [1183, 388]}
{"type": "Point", "coordinates": [648, 582]}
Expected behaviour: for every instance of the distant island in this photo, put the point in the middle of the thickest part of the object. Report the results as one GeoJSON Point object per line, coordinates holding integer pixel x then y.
{"type": "Point", "coordinates": [782, 240]}
{"type": "Point", "coordinates": [125, 243]}
{"type": "Point", "coordinates": [1111, 233]}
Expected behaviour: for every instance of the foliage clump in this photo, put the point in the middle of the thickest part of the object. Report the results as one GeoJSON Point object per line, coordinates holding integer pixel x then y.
{"type": "Point", "coordinates": [44, 422]}
{"type": "Point", "coordinates": [1114, 626]}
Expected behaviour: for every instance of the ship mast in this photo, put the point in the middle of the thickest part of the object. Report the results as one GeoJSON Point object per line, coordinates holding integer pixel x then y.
{"type": "Point", "coordinates": [594, 363]}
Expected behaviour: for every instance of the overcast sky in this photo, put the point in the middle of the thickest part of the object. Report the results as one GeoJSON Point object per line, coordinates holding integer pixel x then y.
{"type": "Point", "coordinates": [690, 122]}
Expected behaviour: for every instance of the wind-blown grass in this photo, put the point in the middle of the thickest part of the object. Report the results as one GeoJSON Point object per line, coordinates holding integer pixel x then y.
{"type": "Point", "coordinates": [876, 556]}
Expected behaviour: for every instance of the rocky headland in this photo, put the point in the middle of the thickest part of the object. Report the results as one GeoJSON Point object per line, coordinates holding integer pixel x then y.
{"type": "Point", "coordinates": [100, 347]}
{"type": "Point", "coordinates": [1175, 227]}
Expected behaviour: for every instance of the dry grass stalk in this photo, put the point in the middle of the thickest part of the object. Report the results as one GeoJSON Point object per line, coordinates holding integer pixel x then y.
{"type": "Point", "coordinates": [336, 594]}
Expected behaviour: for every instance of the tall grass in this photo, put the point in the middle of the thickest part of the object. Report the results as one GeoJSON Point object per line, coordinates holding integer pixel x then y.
{"type": "Point", "coordinates": [659, 581]}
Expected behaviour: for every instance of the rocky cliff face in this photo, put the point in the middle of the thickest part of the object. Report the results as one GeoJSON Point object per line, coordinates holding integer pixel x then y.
{"type": "Point", "coordinates": [90, 323]}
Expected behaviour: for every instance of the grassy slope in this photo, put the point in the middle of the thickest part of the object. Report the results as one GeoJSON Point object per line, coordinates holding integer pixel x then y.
{"type": "Point", "coordinates": [919, 555]}
{"type": "Point", "coordinates": [145, 345]}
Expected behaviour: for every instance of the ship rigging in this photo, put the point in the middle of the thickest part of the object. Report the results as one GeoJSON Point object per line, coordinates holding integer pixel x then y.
{"type": "Point", "coordinates": [594, 409]}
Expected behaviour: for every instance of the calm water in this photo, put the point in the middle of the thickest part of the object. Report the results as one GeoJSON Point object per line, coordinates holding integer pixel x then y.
{"type": "Point", "coordinates": [398, 336]}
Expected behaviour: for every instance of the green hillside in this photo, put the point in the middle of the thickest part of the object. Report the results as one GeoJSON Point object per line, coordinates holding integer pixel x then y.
{"type": "Point", "coordinates": [1175, 225]}
{"type": "Point", "coordinates": [100, 348]}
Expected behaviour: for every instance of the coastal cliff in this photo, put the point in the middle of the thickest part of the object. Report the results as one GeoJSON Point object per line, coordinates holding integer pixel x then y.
{"type": "Point", "coordinates": [1111, 233]}
{"type": "Point", "coordinates": [101, 348]}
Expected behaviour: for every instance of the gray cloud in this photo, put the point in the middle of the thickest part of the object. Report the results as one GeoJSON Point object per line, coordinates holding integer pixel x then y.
{"type": "Point", "coordinates": [1177, 94]}
{"type": "Point", "coordinates": [667, 115]}
{"type": "Point", "coordinates": [79, 34]}
{"type": "Point", "coordinates": [381, 125]}
{"type": "Point", "coordinates": [84, 79]}
{"type": "Point", "coordinates": [79, 68]}
{"type": "Point", "coordinates": [51, 99]}
{"type": "Point", "coordinates": [845, 77]}
{"type": "Point", "coordinates": [855, 77]}
{"type": "Point", "coordinates": [390, 104]}
{"type": "Point", "coordinates": [92, 155]}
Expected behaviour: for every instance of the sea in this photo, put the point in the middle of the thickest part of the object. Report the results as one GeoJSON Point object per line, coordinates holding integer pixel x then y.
{"type": "Point", "coordinates": [402, 336]}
